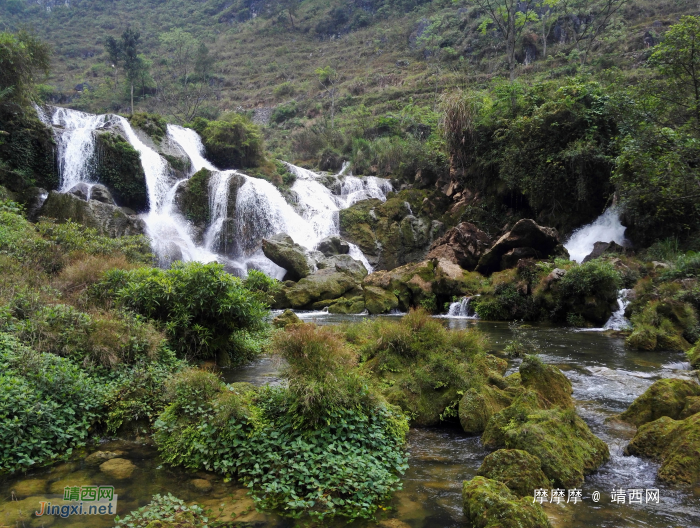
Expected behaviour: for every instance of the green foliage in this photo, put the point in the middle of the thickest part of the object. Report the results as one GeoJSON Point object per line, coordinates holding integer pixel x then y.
{"type": "Point", "coordinates": [119, 168]}
{"type": "Point", "coordinates": [167, 509]}
{"type": "Point", "coordinates": [596, 277]}
{"type": "Point", "coordinates": [199, 306]}
{"type": "Point", "coordinates": [232, 142]}
{"type": "Point", "coordinates": [47, 406]}
{"type": "Point", "coordinates": [152, 124]}
{"type": "Point", "coordinates": [22, 57]}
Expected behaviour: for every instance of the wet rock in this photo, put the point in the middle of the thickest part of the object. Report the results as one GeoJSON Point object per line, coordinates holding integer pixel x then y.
{"type": "Point", "coordinates": [666, 397]}
{"type": "Point", "coordinates": [81, 190]}
{"type": "Point", "coordinates": [26, 488]}
{"type": "Point", "coordinates": [490, 504]}
{"type": "Point", "coordinates": [393, 523]}
{"type": "Point", "coordinates": [378, 300]}
{"type": "Point", "coordinates": [538, 241]}
{"type": "Point", "coordinates": [548, 381]}
{"type": "Point", "coordinates": [286, 253]}
{"type": "Point", "coordinates": [100, 193]}
{"type": "Point", "coordinates": [675, 443]}
{"type": "Point", "coordinates": [462, 245]}
{"type": "Point", "coordinates": [477, 406]}
{"type": "Point", "coordinates": [323, 285]}
{"type": "Point", "coordinates": [692, 406]}
{"type": "Point", "coordinates": [344, 264]}
{"type": "Point", "coordinates": [108, 219]}
{"type": "Point", "coordinates": [98, 457]}
{"type": "Point", "coordinates": [556, 275]}
{"type": "Point", "coordinates": [118, 468]}
{"type": "Point", "coordinates": [286, 318]}
{"type": "Point", "coordinates": [605, 248]}
{"type": "Point", "coordinates": [517, 469]}
{"type": "Point", "coordinates": [333, 245]}
{"type": "Point", "coordinates": [694, 356]}
{"type": "Point", "coordinates": [200, 485]}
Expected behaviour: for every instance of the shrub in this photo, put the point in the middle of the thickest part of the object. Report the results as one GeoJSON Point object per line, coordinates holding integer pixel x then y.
{"type": "Point", "coordinates": [233, 142]}
{"type": "Point", "coordinates": [152, 124]}
{"type": "Point", "coordinates": [166, 509]}
{"type": "Point", "coordinates": [199, 306]}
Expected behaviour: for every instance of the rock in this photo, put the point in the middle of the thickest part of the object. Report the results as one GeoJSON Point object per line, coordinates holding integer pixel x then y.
{"type": "Point", "coordinates": [692, 406]}
{"type": "Point", "coordinates": [694, 356]}
{"type": "Point", "coordinates": [286, 253]}
{"type": "Point", "coordinates": [675, 443]}
{"type": "Point", "coordinates": [548, 381]}
{"type": "Point", "coordinates": [490, 504]}
{"type": "Point", "coordinates": [200, 485]}
{"type": "Point", "coordinates": [541, 241]}
{"type": "Point", "coordinates": [81, 190]}
{"type": "Point", "coordinates": [98, 457]}
{"type": "Point", "coordinates": [108, 219]}
{"type": "Point", "coordinates": [666, 397]}
{"type": "Point", "coordinates": [604, 248]}
{"type": "Point", "coordinates": [344, 264]}
{"type": "Point", "coordinates": [333, 245]}
{"type": "Point", "coordinates": [101, 194]}
{"type": "Point", "coordinates": [462, 245]}
{"type": "Point", "coordinates": [286, 318]}
{"type": "Point", "coordinates": [378, 300]}
{"type": "Point", "coordinates": [660, 265]}
{"type": "Point", "coordinates": [27, 488]}
{"type": "Point", "coordinates": [118, 468]}
{"type": "Point", "coordinates": [119, 168]}
{"type": "Point", "coordinates": [517, 469]}
{"type": "Point", "coordinates": [477, 406]}
{"type": "Point", "coordinates": [323, 285]}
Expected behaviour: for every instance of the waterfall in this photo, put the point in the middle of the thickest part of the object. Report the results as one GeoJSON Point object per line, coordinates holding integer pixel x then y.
{"type": "Point", "coordinates": [617, 320]}
{"type": "Point", "coordinates": [354, 189]}
{"type": "Point", "coordinates": [461, 309]}
{"type": "Point", "coordinates": [605, 228]}
{"type": "Point", "coordinates": [191, 143]}
{"type": "Point", "coordinates": [218, 206]}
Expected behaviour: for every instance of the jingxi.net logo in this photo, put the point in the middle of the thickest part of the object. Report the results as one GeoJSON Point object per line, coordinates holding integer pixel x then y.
{"type": "Point", "coordinates": [83, 500]}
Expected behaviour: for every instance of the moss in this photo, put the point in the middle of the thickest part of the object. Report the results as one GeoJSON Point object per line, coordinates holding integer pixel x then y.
{"type": "Point", "coordinates": [692, 406]}
{"type": "Point", "coordinates": [666, 397]}
{"type": "Point", "coordinates": [661, 325]}
{"type": "Point", "coordinates": [379, 301]}
{"type": "Point", "coordinates": [517, 469]}
{"type": "Point", "coordinates": [694, 356]}
{"type": "Point", "coordinates": [152, 124]}
{"type": "Point", "coordinates": [490, 504]}
{"type": "Point", "coordinates": [286, 318]}
{"type": "Point", "coordinates": [233, 142]}
{"type": "Point", "coordinates": [548, 381]}
{"type": "Point", "coordinates": [477, 406]}
{"type": "Point", "coordinates": [119, 168]}
{"type": "Point", "coordinates": [676, 443]}
{"type": "Point", "coordinates": [193, 197]}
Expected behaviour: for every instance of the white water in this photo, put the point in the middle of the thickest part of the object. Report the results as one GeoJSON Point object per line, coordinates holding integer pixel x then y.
{"type": "Point", "coordinates": [460, 310]}
{"type": "Point", "coordinates": [261, 210]}
{"type": "Point", "coordinates": [617, 320]}
{"type": "Point", "coordinates": [605, 228]}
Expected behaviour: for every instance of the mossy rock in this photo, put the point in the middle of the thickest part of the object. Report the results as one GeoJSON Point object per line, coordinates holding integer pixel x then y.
{"type": "Point", "coordinates": [548, 381]}
{"type": "Point", "coordinates": [517, 469]}
{"type": "Point", "coordinates": [378, 300]}
{"type": "Point", "coordinates": [692, 406]}
{"type": "Point", "coordinates": [666, 397]}
{"type": "Point", "coordinates": [323, 285]}
{"type": "Point", "coordinates": [233, 142]}
{"type": "Point", "coordinates": [694, 356]}
{"type": "Point", "coordinates": [642, 338]}
{"type": "Point", "coordinates": [152, 124]}
{"type": "Point", "coordinates": [477, 406]}
{"type": "Point", "coordinates": [192, 198]}
{"type": "Point", "coordinates": [286, 318]}
{"type": "Point", "coordinates": [490, 504]}
{"type": "Point", "coordinates": [119, 168]}
{"type": "Point", "coordinates": [283, 251]}
{"type": "Point", "coordinates": [676, 443]}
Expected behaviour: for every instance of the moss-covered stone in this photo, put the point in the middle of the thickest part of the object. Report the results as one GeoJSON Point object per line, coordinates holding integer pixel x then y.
{"type": "Point", "coordinates": [548, 381]}
{"type": "Point", "coordinates": [233, 142]}
{"type": "Point", "coordinates": [694, 356]}
{"type": "Point", "coordinates": [517, 469]}
{"type": "Point", "coordinates": [323, 285]}
{"type": "Point", "coordinates": [666, 397]}
{"type": "Point", "coordinates": [477, 406]}
{"type": "Point", "coordinates": [192, 198]}
{"type": "Point", "coordinates": [152, 124]}
{"type": "Point", "coordinates": [284, 252]}
{"type": "Point", "coordinates": [675, 443]}
{"type": "Point", "coordinates": [692, 406]}
{"type": "Point", "coordinates": [286, 318]}
{"type": "Point", "coordinates": [119, 168]}
{"type": "Point", "coordinates": [378, 300]}
{"type": "Point", "coordinates": [490, 504]}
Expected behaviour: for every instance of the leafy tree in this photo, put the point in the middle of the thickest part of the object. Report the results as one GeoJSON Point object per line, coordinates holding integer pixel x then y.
{"type": "Point", "coordinates": [549, 11]}
{"type": "Point", "coordinates": [125, 52]}
{"type": "Point", "coordinates": [678, 60]}
{"type": "Point", "coordinates": [22, 57]}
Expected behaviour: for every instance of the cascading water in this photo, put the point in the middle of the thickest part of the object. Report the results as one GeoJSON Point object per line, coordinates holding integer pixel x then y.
{"type": "Point", "coordinates": [606, 228]}
{"type": "Point", "coordinates": [617, 320]}
{"type": "Point", "coordinates": [461, 309]}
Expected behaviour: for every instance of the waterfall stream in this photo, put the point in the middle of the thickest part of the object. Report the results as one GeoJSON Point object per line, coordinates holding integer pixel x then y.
{"type": "Point", "coordinates": [606, 228]}
{"type": "Point", "coordinates": [261, 211]}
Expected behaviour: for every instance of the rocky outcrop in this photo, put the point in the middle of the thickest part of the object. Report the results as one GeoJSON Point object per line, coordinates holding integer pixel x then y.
{"type": "Point", "coordinates": [605, 248]}
{"type": "Point", "coordinates": [527, 239]}
{"type": "Point", "coordinates": [333, 245]}
{"type": "Point", "coordinates": [108, 219]}
{"type": "Point", "coordinates": [119, 168]}
{"type": "Point", "coordinates": [666, 397]}
{"type": "Point", "coordinates": [286, 253]}
{"type": "Point", "coordinates": [462, 245]}
{"type": "Point", "coordinates": [338, 291]}
{"type": "Point", "coordinates": [517, 469]}
{"type": "Point", "coordinates": [477, 406]}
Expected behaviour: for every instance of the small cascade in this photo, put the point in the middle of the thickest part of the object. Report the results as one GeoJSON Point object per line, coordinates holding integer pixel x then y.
{"type": "Point", "coordinates": [606, 228]}
{"type": "Point", "coordinates": [354, 189]}
{"type": "Point", "coordinates": [218, 207]}
{"type": "Point", "coordinates": [461, 309]}
{"type": "Point", "coordinates": [191, 143]}
{"type": "Point", "coordinates": [617, 320]}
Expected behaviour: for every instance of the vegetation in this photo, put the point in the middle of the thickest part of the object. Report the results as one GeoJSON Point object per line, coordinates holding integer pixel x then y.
{"type": "Point", "coordinates": [232, 142]}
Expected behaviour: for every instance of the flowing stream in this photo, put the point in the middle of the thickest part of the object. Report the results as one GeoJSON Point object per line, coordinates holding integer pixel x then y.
{"type": "Point", "coordinates": [606, 228]}
{"type": "Point", "coordinates": [606, 378]}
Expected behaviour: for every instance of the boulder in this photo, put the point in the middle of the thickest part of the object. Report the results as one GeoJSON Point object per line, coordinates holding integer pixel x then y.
{"type": "Point", "coordinates": [490, 504]}
{"type": "Point", "coordinates": [286, 318]}
{"type": "Point", "coordinates": [333, 245]}
{"type": "Point", "coordinates": [378, 300]}
{"type": "Point", "coordinates": [692, 406]}
{"type": "Point", "coordinates": [29, 487]}
{"type": "Point", "coordinates": [286, 253]}
{"type": "Point", "coordinates": [550, 383]}
{"type": "Point", "coordinates": [98, 457]}
{"type": "Point", "coordinates": [666, 397]}
{"type": "Point", "coordinates": [694, 356]}
{"type": "Point", "coordinates": [605, 248]}
{"type": "Point", "coordinates": [344, 264]}
{"type": "Point", "coordinates": [323, 285]}
{"type": "Point", "coordinates": [517, 469]}
{"type": "Point", "coordinates": [108, 219]}
{"type": "Point", "coordinates": [477, 406]}
{"type": "Point", "coordinates": [462, 245]}
{"type": "Point", "coordinates": [541, 242]}
{"type": "Point", "coordinates": [200, 485]}
{"type": "Point", "coordinates": [81, 190]}
{"type": "Point", "coordinates": [675, 443]}
{"type": "Point", "coordinates": [118, 468]}
{"type": "Point", "coordinates": [101, 194]}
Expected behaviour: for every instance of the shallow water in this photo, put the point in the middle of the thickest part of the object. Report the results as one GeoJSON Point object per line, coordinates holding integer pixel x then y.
{"type": "Point", "coordinates": [605, 376]}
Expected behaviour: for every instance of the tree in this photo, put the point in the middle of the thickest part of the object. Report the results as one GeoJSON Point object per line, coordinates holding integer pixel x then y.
{"type": "Point", "coordinates": [510, 17]}
{"type": "Point", "coordinates": [329, 78]}
{"type": "Point", "coordinates": [125, 52]}
{"type": "Point", "coordinates": [548, 13]}
{"type": "Point", "coordinates": [678, 60]}
{"type": "Point", "coordinates": [22, 56]}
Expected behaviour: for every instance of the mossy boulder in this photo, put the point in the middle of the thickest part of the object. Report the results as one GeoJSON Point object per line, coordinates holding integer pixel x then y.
{"type": "Point", "coordinates": [548, 381]}
{"type": "Point", "coordinates": [119, 168]}
{"type": "Point", "coordinates": [694, 356]}
{"type": "Point", "coordinates": [286, 253]}
{"type": "Point", "coordinates": [192, 198]}
{"type": "Point", "coordinates": [675, 443]}
{"type": "Point", "coordinates": [517, 469]}
{"type": "Point", "coordinates": [490, 504]}
{"type": "Point", "coordinates": [324, 285]}
{"type": "Point", "coordinates": [477, 406]}
{"type": "Point", "coordinates": [232, 142]}
{"type": "Point", "coordinates": [661, 325]}
{"type": "Point", "coordinates": [378, 300]}
{"type": "Point", "coordinates": [666, 397]}
{"type": "Point", "coordinates": [692, 406]}
{"type": "Point", "coordinates": [286, 318]}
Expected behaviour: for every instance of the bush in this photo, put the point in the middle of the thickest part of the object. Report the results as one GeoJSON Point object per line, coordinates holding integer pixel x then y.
{"type": "Point", "coordinates": [199, 306]}
{"type": "Point", "coordinates": [595, 278]}
{"type": "Point", "coordinates": [233, 142]}
{"type": "Point", "coordinates": [47, 406]}
{"type": "Point", "coordinates": [167, 509]}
